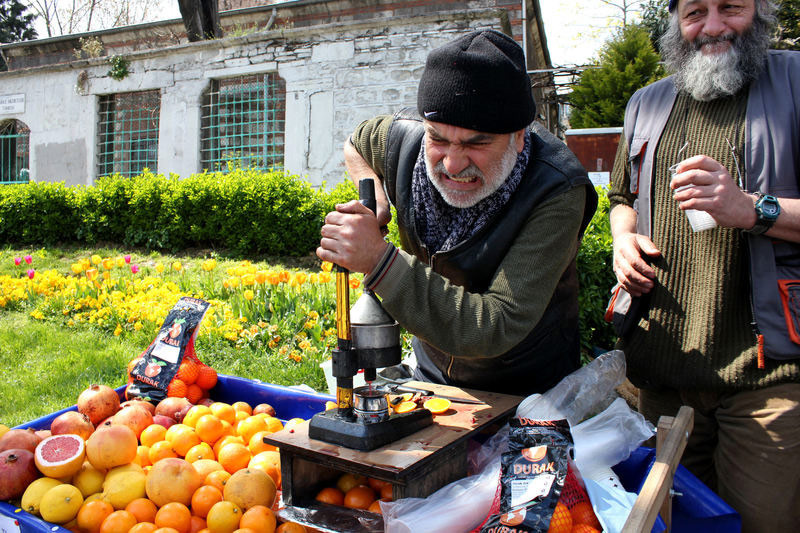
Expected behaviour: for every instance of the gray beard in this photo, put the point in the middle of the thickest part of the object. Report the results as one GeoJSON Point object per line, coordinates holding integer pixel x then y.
{"type": "Point", "coordinates": [708, 77]}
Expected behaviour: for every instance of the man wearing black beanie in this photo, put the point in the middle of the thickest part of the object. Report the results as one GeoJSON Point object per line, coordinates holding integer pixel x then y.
{"type": "Point", "coordinates": [490, 210]}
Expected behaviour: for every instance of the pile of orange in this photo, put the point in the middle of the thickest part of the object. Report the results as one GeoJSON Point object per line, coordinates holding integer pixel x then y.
{"type": "Point", "coordinates": [211, 473]}
{"type": "Point", "coordinates": [357, 492]}
{"type": "Point", "coordinates": [193, 380]}
{"type": "Point", "coordinates": [579, 518]}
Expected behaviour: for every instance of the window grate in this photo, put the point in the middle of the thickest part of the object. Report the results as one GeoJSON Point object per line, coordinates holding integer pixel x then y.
{"type": "Point", "coordinates": [14, 152]}
{"type": "Point", "coordinates": [243, 123]}
{"type": "Point", "coordinates": [128, 133]}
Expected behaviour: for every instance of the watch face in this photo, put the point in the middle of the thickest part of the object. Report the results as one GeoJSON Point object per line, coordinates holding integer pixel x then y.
{"type": "Point", "coordinates": [769, 209]}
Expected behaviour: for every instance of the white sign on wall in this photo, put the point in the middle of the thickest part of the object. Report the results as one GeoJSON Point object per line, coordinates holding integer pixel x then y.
{"type": "Point", "coordinates": [600, 178]}
{"type": "Point", "coordinates": [12, 103]}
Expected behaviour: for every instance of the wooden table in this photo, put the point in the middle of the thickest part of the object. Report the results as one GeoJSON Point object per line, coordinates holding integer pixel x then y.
{"type": "Point", "coordinates": [416, 465]}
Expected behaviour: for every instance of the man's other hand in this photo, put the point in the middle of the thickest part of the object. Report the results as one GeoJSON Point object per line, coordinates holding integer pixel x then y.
{"type": "Point", "coordinates": [631, 262]}
{"type": "Point", "coordinates": [351, 238]}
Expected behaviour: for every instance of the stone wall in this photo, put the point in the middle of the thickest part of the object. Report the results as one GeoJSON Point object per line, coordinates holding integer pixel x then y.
{"type": "Point", "coordinates": [336, 76]}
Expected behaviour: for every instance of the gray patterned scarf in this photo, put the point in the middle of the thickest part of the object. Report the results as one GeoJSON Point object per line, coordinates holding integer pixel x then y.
{"type": "Point", "coordinates": [442, 226]}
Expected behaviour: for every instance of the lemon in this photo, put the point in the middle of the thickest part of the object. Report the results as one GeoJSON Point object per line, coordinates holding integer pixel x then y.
{"type": "Point", "coordinates": [88, 479]}
{"type": "Point", "coordinates": [131, 467]}
{"type": "Point", "coordinates": [437, 406]}
{"type": "Point", "coordinates": [4, 429]}
{"type": "Point", "coordinates": [61, 504]}
{"type": "Point", "coordinates": [123, 488]}
{"type": "Point", "coordinates": [348, 481]}
{"type": "Point", "coordinates": [32, 496]}
{"type": "Point", "coordinates": [93, 497]}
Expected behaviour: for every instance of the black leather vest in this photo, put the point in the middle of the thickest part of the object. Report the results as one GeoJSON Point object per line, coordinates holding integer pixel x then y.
{"type": "Point", "coordinates": [552, 349]}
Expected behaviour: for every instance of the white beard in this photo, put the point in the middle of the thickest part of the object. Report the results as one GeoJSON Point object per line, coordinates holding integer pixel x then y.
{"type": "Point", "coordinates": [710, 76]}
{"type": "Point", "coordinates": [496, 176]}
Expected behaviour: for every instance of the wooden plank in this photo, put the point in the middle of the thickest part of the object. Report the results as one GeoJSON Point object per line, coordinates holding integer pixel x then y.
{"type": "Point", "coordinates": [659, 480]}
{"type": "Point", "coordinates": [410, 454]}
{"type": "Point", "coordinates": [664, 427]}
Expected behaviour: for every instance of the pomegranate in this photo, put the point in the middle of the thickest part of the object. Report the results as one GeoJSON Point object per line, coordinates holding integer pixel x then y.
{"type": "Point", "coordinates": [98, 402]}
{"type": "Point", "coordinates": [43, 434]}
{"type": "Point", "coordinates": [164, 420]}
{"type": "Point", "coordinates": [135, 417]}
{"type": "Point", "coordinates": [140, 403]}
{"type": "Point", "coordinates": [264, 408]}
{"type": "Point", "coordinates": [205, 401]}
{"type": "Point", "coordinates": [23, 439]}
{"type": "Point", "coordinates": [111, 446]}
{"type": "Point", "coordinates": [174, 407]}
{"type": "Point", "coordinates": [74, 423]}
{"type": "Point", "coordinates": [17, 471]}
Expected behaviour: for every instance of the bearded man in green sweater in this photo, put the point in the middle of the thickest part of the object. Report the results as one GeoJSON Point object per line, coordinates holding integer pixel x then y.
{"type": "Point", "coordinates": [720, 330]}
{"type": "Point", "coordinates": [490, 208]}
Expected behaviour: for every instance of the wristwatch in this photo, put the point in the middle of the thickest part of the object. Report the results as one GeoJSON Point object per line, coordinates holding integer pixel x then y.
{"type": "Point", "coordinates": [767, 211]}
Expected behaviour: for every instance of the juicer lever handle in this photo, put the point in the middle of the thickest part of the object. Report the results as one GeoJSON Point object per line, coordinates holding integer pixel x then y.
{"type": "Point", "coordinates": [366, 194]}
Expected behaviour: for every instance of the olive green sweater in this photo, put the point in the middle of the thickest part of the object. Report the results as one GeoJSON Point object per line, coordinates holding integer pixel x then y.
{"type": "Point", "coordinates": [697, 334]}
{"type": "Point", "coordinates": [488, 324]}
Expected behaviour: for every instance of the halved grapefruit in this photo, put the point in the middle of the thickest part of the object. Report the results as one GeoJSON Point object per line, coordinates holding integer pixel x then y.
{"type": "Point", "coordinates": [60, 456]}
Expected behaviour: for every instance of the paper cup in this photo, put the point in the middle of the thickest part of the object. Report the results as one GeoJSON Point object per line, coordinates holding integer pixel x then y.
{"type": "Point", "coordinates": [699, 220]}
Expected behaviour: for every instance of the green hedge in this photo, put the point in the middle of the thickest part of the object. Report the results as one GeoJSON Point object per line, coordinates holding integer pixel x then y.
{"type": "Point", "coordinates": [247, 212]}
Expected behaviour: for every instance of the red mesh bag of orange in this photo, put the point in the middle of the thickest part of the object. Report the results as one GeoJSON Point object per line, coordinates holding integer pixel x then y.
{"type": "Point", "coordinates": [540, 490]}
{"type": "Point", "coordinates": [170, 366]}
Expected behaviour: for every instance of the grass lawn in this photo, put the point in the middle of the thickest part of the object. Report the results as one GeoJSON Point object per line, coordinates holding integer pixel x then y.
{"type": "Point", "coordinates": [46, 364]}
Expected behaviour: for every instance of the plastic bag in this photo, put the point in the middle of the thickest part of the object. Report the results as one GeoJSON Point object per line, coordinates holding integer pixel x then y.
{"type": "Point", "coordinates": [585, 392]}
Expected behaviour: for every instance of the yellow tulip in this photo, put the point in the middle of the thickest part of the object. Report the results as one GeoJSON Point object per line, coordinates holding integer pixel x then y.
{"type": "Point", "coordinates": [177, 266]}
{"type": "Point", "coordinates": [96, 259]}
{"type": "Point", "coordinates": [249, 295]}
{"type": "Point", "coordinates": [120, 262]}
{"type": "Point", "coordinates": [261, 277]}
{"type": "Point", "coordinates": [77, 268]}
{"type": "Point", "coordinates": [327, 266]}
{"type": "Point", "coordinates": [159, 268]}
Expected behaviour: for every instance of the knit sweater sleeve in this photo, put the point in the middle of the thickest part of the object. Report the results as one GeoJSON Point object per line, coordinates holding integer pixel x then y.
{"type": "Point", "coordinates": [369, 140]}
{"type": "Point", "coordinates": [620, 190]}
{"type": "Point", "coordinates": [488, 324]}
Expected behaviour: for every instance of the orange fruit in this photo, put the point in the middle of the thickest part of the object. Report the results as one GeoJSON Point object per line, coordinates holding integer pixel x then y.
{"type": "Point", "coordinates": [194, 393]}
{"type": "Point", "coordinates": [118, 522]}
{"type": "Point", "coordinates": [584, 528]}
{"type": "Point", "coordinates": [143, 509]}
{"type": "Point", "coordinates": [188, 371]}
{"type": "Point", "coordinates": [194, 413]}
{"type": "Point", "coordinates": [223, 517]}
{"type": "Point", "coordinates": [270, 463]}
{"type": "Point", "coordinates": [209, 428]}
{"type": "Point", "coordinates": [172, 480]}
{"type": "Point", "coordinates": [217, 479]}
{"type": "Point", "coordinates": [143, 527]}
{"type": "Point", "coordinates": [359, 497]}
{"type": "Point", "coordinates": [234, 456]}
{"type": "Point", "coordinates": [207, 377]}
{"type": "Point", "coordinates": [204, 498]}
{"type": "Point", "coordinates": [376, 484]}
{"type": "Point", "coordinates": [257, 445]}
{"type": "Point", "coordinates": [292, 423]}
{"type": "Point", "coordinates": [183, 440]}
{"type": "Point", "coordinates": [239, 416]}
{"type": "Point", "coordinates": [330, 495]}
{"type": "Point", "coordinates": [273, 424]}
{"type": "Point", "coordinates": [387, 493]}
{"type": "Point", "coordinates": [200, 451]}
{"type": "Point", "coordinates": [348, 481]}
{"type": "Point", "coordinates": [260, 519]}
{"type": "Point", "coordinates": [152, 434]}
{"type": "Point", "coordinates": [227, 439]}
{"type": "Point", "coordinates": [242, 406]}
{"type": "Point", "coordinates": [375, 507]}
{"type": "Point", "coordinates": [582, 513]}
{"type": "Point", "coordinates": [206, 466]}
{"type": "Point", "coordinates": [161, 450]}
{"type": "Point", "coordinates": [165, 530]}
{"type": "Point", "coordinates": [176, 388]}
{"type": "Point", "coordinates": [91, 515]}
{"type": "Point", "coordinates": [198, 524]}
{"type": "Point", "coordinates": [223, 411]}
{"type": "Point", "coordinates": [561, 521]}
{"type": "Point", "coordinates": [437, 406]}
{"type": "Point", "coordinates": [291, 527]}
{"type": "Point", "coordinates": [142, 456]}
{"type": "Point", "coordinates": [175, 515]}
{"type": "Point", "coordinates": [250, 426]}
{"type": "Point", "coordinates": [405, 407]}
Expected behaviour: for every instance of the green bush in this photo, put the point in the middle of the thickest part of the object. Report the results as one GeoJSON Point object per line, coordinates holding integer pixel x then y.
{"type": "Point", "coordinates": [38, 213]}
{"type": "Point", "coordinates": [596, 278]}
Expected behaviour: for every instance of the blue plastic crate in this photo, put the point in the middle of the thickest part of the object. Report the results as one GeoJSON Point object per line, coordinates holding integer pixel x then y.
{"type": "Point", "coordinates": [288, 403]}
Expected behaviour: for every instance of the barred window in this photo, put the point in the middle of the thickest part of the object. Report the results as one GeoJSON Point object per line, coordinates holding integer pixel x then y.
{"type": "Point", "coordinates": [243, 123]}
{"type": "Point", "coordinates": [14, 151]}
{"type": "Point", "coordinates": [128, 133]}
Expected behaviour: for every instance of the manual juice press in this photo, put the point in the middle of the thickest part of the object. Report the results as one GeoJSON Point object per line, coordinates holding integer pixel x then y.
{"type": "Point", "coordinates": [368, 338]}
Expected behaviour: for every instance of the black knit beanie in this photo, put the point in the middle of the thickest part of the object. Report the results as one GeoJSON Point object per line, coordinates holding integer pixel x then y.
{"type": "Point", "coordinates": [478, 82]}
{"type": "Point", "coordinates": [672, 5]}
